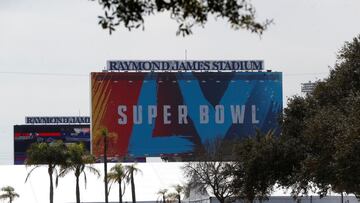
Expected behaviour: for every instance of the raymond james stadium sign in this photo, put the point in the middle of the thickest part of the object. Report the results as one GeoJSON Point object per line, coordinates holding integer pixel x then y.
{"type": "Point", "coordinates": [57, 120]}
{"type": "Point", "coordinates": [250, 65]}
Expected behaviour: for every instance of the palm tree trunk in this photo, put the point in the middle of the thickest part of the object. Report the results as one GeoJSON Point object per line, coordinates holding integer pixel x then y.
{"type": "Point", "coordinates": [77, 190]}
{"type": "Point", "coordinates": [120, 192]}
{"type": "Point", "coordinates": [179, 198]}
{"type": "Point", "coordinates": [133, 187]}
{"type": "Point", "coordinates": [50, 171]}
{"type": "Point", "coordinates": [105, 169]}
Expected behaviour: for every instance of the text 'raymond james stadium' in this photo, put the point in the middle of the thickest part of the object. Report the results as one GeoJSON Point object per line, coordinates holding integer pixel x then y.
{"type": "Point", "coordinates": [185, 65]}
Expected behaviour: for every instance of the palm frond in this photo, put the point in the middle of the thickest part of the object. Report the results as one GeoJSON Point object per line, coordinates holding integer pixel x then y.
{"type": "Point", "coordinates": [111, 183]}
{"type": "Point", "coordinates": [64, 171]}
{"type": "Point", "coordinates": [28, 175]}
{"type": "Point", "coordinates": [56, 181]}
{"type": "Point", "coordinates": [85, 180]}
{"type": "Point", "coordinates": [94, 170]}
{"type": "Point", "coordinates": [123, 189]}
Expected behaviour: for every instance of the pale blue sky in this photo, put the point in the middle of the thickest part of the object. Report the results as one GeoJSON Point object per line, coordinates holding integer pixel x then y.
{"type": "Point", "coordinates": [60, 39]}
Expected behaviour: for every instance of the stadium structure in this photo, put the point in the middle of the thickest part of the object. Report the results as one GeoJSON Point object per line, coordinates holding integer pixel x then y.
{"type": "Point", "coordinates": [170, 109]}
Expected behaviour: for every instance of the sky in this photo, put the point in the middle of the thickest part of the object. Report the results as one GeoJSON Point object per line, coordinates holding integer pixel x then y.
{"type": "Point", "coordinates": [49, 47]}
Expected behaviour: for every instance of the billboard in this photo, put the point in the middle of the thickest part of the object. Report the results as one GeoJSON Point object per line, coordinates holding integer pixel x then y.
{"type": "Point", "coordinates": [25, 135]}
{"type": "Point", "coordinates": [173, 113]}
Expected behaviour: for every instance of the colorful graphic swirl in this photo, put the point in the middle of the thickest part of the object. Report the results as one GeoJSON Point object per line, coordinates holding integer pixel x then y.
{"type": "Point", "coordinates": [164, 114]}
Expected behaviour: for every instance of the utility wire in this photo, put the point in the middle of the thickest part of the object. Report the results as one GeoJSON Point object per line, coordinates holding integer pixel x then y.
{"type": "Point", "coordinates": [304, 74]}
{"type": "Point", "coordinates": [45, 74]}
{"type": "Point", "coordinates": [87, 75]}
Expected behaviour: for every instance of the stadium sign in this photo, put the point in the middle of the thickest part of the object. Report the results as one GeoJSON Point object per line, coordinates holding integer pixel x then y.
{"type": "Point", "coordinates": [174, 65]}
{"type": "Point", "coordinates": [308, 87]}
{"type": "Point", "coordinates": [175, 113]}
{"type": "Point", "coordinates": [57, 120]}
{"type": "Point", "coordinates": [26, 135]}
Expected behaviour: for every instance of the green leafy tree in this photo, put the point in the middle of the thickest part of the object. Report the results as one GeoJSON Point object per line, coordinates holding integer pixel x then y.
{"type": "Point", "coordinates": [293, 145]}
{"type": "Point", "coordinates": [78, 160]}
{"type": "Point", "coordinates": [117, 175]}
{"type": "Point", "coordinates": [9, 193]}
{"type": "Point", "coordinates": [102, 136]}
{"type": "Point", "coordinates": [50, 154]}
{"type": "Point", "coordinates": [255, 167]}
{"type": "Point", "coordinates": [131, 14]}
{"type": "Point", "coordinates": [131, 170]}
{"type": "Point", "coordinates": [323, 129]}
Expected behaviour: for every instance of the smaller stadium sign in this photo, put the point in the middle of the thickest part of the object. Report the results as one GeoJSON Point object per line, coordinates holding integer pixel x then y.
{"type": "Point", "coordinates": [308, 87]}
{"type": "Point", "coordinates": [245, 65]}
{"type": "Point", "coordinates": [26, 135]}
{"type": "Point", "coordinates": [57, 120]}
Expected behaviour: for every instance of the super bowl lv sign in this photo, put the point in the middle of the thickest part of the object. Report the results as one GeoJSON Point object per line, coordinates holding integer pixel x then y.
{"type": "Point", "coordinates": [173, 113]}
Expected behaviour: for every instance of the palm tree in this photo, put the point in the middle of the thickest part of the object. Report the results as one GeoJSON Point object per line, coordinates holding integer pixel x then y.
{"type": "Point", "coordinates": [173, 197]}
{"type": "Point", "coordinates": [130, 171]}
{"type": "Point", "coordinates": [162, 193]}
{"type": "Point", "coordinates": [52, 154]}
{"type": "Point", "coordinates": [179, 189]}
{"type": "Point", "coordinates": [103, 135]}
{"type": "Point", "coordinates": [9, 193]}
{"type": "Point", "coordinates": [117, 174]}
{"type": "Point", "coordinates": [78, 158]}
